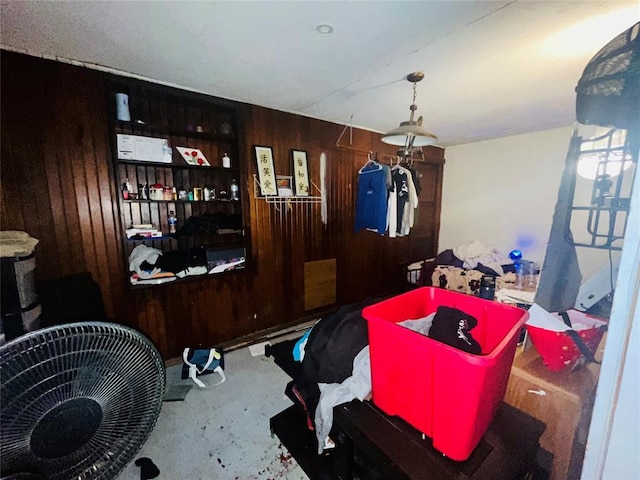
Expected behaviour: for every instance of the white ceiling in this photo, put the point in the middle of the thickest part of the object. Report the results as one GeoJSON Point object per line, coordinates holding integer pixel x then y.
{"type": "Point", "coordinates": [492, 68]}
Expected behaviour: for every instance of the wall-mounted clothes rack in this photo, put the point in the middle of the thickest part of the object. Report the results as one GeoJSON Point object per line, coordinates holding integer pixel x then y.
{"type": "Point", "coordinates": [390, 159]}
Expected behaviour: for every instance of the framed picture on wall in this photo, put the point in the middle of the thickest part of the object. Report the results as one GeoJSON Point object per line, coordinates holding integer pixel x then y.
{"type": "Point", "coordinates": [266, 171]}
{"type": "Point", "coordinates": [300, 173]}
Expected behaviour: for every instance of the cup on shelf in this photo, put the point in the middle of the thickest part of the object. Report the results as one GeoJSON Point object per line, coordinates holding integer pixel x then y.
{"type": "Point", "coordinates": [122, 107]}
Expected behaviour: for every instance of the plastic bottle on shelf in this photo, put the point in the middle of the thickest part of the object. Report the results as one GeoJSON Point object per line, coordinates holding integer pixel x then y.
{"type": "Point", "coordinates": [173, 222]}
{"type": "Point", "coordinates": [226, 161]}
{"type": "Point", "coordinates": [206, 193]}
{"type": "Point", "coordinates": [141, 194]}
{"type": "Point", "coordinates": [234, 190]}
{"type": "Point", "coordinates": [516, 256]}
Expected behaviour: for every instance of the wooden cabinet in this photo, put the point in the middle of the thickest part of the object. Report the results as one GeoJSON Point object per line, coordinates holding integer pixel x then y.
{"type": "Point", "coordinates": [156, 182]}
{"type": "Point", "coordinates": [562, 400]}
{"type": "Point", "coordinates": [423, 240]}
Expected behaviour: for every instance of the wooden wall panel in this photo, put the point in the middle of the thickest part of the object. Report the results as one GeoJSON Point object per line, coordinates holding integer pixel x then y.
{"type": "Point", "coordinates": [58, 184]}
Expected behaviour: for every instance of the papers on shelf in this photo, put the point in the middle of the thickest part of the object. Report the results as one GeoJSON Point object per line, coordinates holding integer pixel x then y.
{"type": "Point", "coordinates": [155, 279]}
{"type": "Point", "coordinates": [227, 266]}
{"type": "Point", "coordinates": [145, 149]}
{"type": "Point", "coordinates": [143, 232]}
{"type": "Point", "coordinates": [191, 271]}
{"type": "Point", "coordinates": [151, 281]}
{"type": "Point", "coordinates": [507, 295]}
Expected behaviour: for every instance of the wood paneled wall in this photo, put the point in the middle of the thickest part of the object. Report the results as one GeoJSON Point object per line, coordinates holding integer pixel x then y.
{"type": "Point", "coordinates": [58, 185]}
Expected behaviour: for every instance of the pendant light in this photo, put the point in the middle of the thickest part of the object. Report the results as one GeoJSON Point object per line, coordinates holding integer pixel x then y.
{"type": "Point", "coordinates": [410, 134]}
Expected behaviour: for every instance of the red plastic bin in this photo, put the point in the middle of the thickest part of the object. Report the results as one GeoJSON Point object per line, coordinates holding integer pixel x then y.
{"type": "Point", "coordinates": [449, 395]}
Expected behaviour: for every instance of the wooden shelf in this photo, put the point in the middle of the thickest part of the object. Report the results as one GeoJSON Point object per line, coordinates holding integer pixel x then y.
{"type": "Point", "coordinates": [145, 129]}
{"type": "Point", "coordinates": [178, 238]}
{"type": "Point", "coordinates": [190, 278]}
{"type": "Point", "coordinates": [168, 114]}
{"type": "Point", "coordinates": [219, 200]}
{"type": "Point", "coordinates": [178, 165]}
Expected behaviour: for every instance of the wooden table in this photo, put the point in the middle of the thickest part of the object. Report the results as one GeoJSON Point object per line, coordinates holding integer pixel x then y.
{"type": "Point", "coordinates": [562, 400]}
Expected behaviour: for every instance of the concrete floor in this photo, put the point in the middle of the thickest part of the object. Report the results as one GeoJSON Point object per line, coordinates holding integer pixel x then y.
{"type": "Point", "coordinates": [222, 432]}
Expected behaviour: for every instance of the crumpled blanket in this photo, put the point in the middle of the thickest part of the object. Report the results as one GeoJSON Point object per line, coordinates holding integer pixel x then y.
{"type": "Point", "coordinates": [466, 281]}
{"type": "Point", "coordinates": [16, 243]}
{"type": "Point", "coordinates": [143, 253]}
{"type": "Point", "coordinates": [357, 386]}
{"type": "Point", "coordinates": [476, 252]}
{"type": "Point", "coordinates": [334, 342]}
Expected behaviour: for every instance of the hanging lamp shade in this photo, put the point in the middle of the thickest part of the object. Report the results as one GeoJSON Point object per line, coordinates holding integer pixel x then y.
{"type": "Point", "coordinates": [408, 131]}
{"type": "Point", "coordinates": [411, 133]}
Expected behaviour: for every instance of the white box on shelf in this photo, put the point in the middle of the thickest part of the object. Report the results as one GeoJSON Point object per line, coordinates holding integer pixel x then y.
{"type": "Point", "coordinates": [144, 149]}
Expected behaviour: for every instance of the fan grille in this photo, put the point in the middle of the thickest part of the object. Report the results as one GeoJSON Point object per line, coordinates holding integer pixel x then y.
{"type": "Point", "coordinates": [608, 93]}
{"type": "Point", "coordinates": [78, 400]}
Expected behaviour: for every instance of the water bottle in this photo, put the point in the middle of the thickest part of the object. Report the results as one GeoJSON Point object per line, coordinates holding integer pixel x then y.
{"type": "Point", "coordinates": [234, 190]}
{"type": "Point", "coordinates": [516, 256]}
{"type": "Point", "coordinates": [173, 222]}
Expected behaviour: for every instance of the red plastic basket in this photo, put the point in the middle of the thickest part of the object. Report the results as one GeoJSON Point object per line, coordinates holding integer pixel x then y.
{"type": "Point", "coordinates": [558, 350]}
{"type": "Point", "coordinates": [449, 395]}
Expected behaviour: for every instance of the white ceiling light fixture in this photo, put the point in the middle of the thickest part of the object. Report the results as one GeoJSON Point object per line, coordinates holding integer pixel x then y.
{"type": "Point", "coordinates": [410, 134]}
{"type": "Point", "coordinates": [324, 29]}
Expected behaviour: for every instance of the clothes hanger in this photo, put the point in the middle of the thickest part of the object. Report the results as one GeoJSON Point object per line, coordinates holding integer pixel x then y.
{"type": "Point", "coordinates": [371, 165]}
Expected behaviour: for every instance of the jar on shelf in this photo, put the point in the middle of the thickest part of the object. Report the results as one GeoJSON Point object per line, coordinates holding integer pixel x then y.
{"type": "Point", "coordinates": [167, 193]}
{"type": "Point", "coordinates": [156, 191]}
{"type": "Point", "coordinates": [226, 161]}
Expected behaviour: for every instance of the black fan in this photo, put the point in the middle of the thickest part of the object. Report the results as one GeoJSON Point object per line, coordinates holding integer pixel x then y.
{"type": "Point", "coordinates": [609, 89]}
{"type": "Point", "coordinates": [78, 401]}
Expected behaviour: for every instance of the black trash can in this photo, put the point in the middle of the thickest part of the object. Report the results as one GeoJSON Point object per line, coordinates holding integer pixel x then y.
{"type": "Point", "coordinates": [20, 307]}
